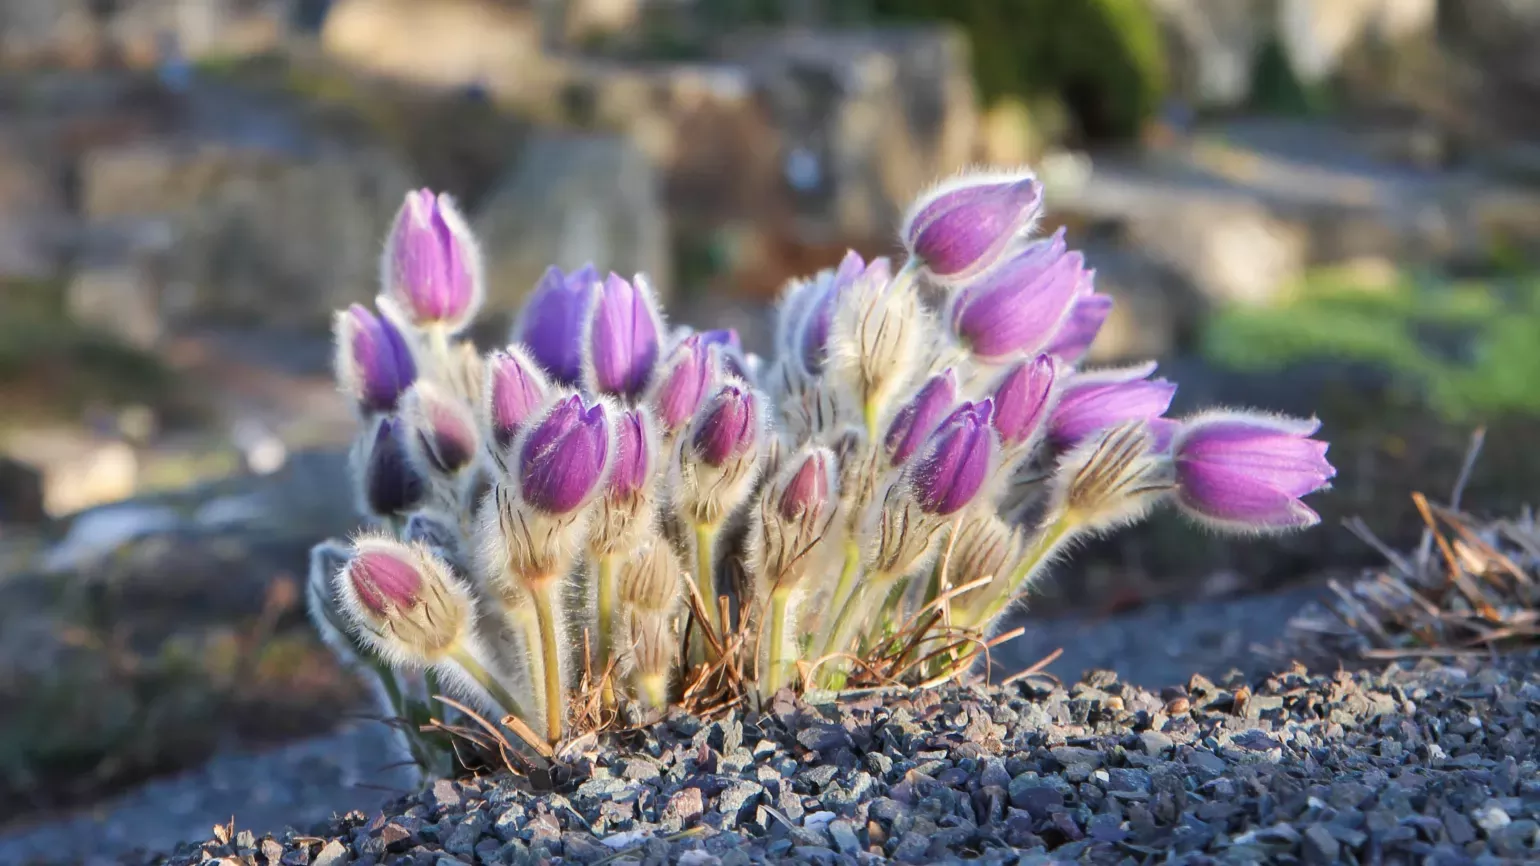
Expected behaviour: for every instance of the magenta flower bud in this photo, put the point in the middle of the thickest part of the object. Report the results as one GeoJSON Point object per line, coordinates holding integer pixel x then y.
{"type": "Point", "coordinates": [809, 491]}
{"type": "Point", "coordinates": [445, 428]}
{"type": "Point", "coordinates": [552, 322]}
{"type": "Point", "coordinates": [1081, 327]}
{"type": "Point", "coordinates": [432, 264]}
{"type": "Point", "coordinates": [1091, 402]}
{"type": "Point", "coordinates": [622, 338]}
{"type": "Point", "coordinates": [1020, 306]}
{"type": "Point", "coordinates": [392, 483]}
{"type": "Point", "coordinates": [384, 582]}
{"type": "Point", "coordinates": [515, 389]}
{"type": "Point", "coordinates": [963, 227]}
{"type": "Point", "coordinates": [374, 362]}
{"type": "Point", "coordinates": [566, 456]}
{"type": "Point", "coordinates": [1248, 471]}
{"type": "Point", "coordinates": [727, 426]}
{"type": "Point", "coordinates": [830, 286]}
{"type": "Point", "coordinates": [633, 457]}
{"type": "Point", "coordinates": [1022, 399]}
{"type": "Point", "coordinates": [684, 383]}
{"type": "Point", "coordinates": [920, 416]}
{"type": "Point", "coordinates": [957, 461]}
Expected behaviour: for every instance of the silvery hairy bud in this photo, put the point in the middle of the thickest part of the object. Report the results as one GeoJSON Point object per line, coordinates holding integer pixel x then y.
{"type": "Point", "coordinates": [719, 461]}
{"type": "Point", "coordinates": [626, 507]}
{"type": "Point", "coordinates": [443, 427]}
{"type": "Point", "coordinates": [621, 340]}
{"type": "Point", "coordinates": [1113, 478]}
{"type": "Point", "coordinates": [375, 363]}
{"type": "Point", "coordinates": [876, 341]}
{"type": "Point", "coordinates": [796, 514]}
{"type": "Point", "coordinates": [651, 594]}
{"type": "Point", "coordinates": [432, 266]}
{"type": "Point", "coordinates": [403, 602]}
{"type": "Point", "coordinates": [390, 481]}
{"type": "Point", "coordinates": [963, 226]}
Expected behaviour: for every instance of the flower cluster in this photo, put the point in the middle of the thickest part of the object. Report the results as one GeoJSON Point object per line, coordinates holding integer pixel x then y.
{"type": "Point", "coordinates": [611, 503]}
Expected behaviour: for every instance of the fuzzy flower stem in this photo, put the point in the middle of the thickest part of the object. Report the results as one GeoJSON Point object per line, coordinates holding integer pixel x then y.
{"type": "Point", "coordinates": [606, 588]}
{"type": "Point", "coordinates": [653, 689]}
{"type": "Point", "coordinates": [846, 622]}
{"type": "Point", "coordinates": [483, 678]}
{"type": "Point", "coordinates": [842, 591]}
{"type": "Point", "coordinates": [705, 581]}
{"type": "Point", "coordinates": [545, 615]}
{"type": "Point", "coordinates": [1054, 533]}
{"type": "Point", "coordinates": [437, 337]}
{"type": "Point", "coordinates": [780, 597]}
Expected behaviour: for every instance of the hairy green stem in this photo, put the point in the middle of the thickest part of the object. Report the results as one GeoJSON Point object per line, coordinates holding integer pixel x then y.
{"type": "Point", "coordinates": [606, 587]}
{"type": "Point", "coordinates": [545, 616]}
{"type": "Point", "coordinates": [842, 590]}
{"type": "Point", "coordinates": [1054, 532]}
{"type": "Point", "coordinates": [478, 672]}
{"type": "Point", "coordinates": [779, 598]}
{"type": "Point", "coordinates": [705, 582]}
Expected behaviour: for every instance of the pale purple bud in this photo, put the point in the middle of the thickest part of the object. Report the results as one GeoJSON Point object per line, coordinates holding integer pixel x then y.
{"type": "Point", "coordinates": [920, 416]}
{"type": "Point", "coordinates": [374, 362]}
{"type": "Point", "coordinates": [566, 456]}
{"type": "Point", "coordinates": [965, 226]}
{"type": "Point", "coordinates": [633, 457]}
{"type": "Point", "coordinates": [553, 319]}
{"type": "Point", "coordinates": [685, 382]}
{"type": "Point", "coordinates": [392, 483]}
{"type": "Point", "coordinates": [1094, 401]}
{"type": "Point", "coordinates": [1081, 327]}
{"type": "Point", "coordinates": [1248, 471]}
{"type": "Point", "coordinates": [830, 286]}
{"type": "Point", "coordinates": [385, 582]}
{"type": "Point", "coordinates": [432, 262]}
{"type": "Point", "coordinates": [622, 338]}
{"type": "Point", "coordinates": [1019, 307]}
{"type": "Point", "coordinates": [957, 461]}
{"type": "Point", "coordinates": [445, 428]}
{"type": "Point", "coordinates": [810, 488]}
{"type": "Point", "coordinates": [729, 350]}
{"type": "Point", "coordinates": [727, 426]}
{"type": "Point", "coordinates": [515, 390]}
{"type": "Point", "coordinates": [1022, 399]}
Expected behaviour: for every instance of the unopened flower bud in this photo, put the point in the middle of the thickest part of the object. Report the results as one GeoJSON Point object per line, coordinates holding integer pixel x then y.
{"type": "Point", "coordinates": [432, 265]}
{"type": "Point", "coordinates": [957, 460]}
{"type": "Point", "coordinates": [327, 559]}
{"type": "Point", "coordinates": [374, 362]}
{"type": "Point", "coordinates": [1023, 397]}
{"type": "Point", "coordinates": [808, 488]}
{"type": "Point", "coordinates": [650, 578]}
{"type": "Point", "coordinates": [828, 289]}
{"type": "Point", "coordinates": [795, 516]}
{"type": "Point", "coordinates": [1112, 478]}
{"type": "Point", "coordinates": [627, 505]}
{"type": "Point", "coordinates": [719, 460]}
{"type": "Point", "coordinates": [1079, 330]}
{"type": "Point", "coordinates": [985, 546]}
{"type": "Point", "coordinates": [515, 390]}
{"type": "Point", "coordinates": [621, 340]}
{"type": "Point", "coordinates": [875, 340]}
{"type": "Point", "coordinates": [1100, 399]}
{"type": "Point", "coordinates": [727, 427]}
{"type": "Point", "coordinates": [1020, 307]}
{"type": "Point", "coordinates": [728, 348]}
{"type": "Point", "coordinates": [565, 458]}
{"type": "Point", "coordinates": [391, 483]}
{"type": "Point", "coordinates": [553, 320]}
{"type": "Point", "coordinates": [963, 226]}
{"type": "Point", "coordinates": [684, 383]}
{"type": "Point", "coordinates": [918, 418]}
{"type": "Point", "coordinates": [403, 601]}
{"type": "Point", "coordinates": [1246, 472]}
{"type": "Point", "coordinates": [445, 428]}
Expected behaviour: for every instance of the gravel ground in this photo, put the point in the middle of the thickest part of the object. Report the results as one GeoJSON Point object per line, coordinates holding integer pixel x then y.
{"type": "Point", "coordinates": [1425, 764]}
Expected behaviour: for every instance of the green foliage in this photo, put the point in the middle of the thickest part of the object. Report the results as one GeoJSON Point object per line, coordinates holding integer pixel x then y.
{"type": "Point", "coordinates": [1469, 348]}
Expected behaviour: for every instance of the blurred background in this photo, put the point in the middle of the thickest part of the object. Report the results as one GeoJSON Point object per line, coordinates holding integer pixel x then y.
{"type": "Point", "coordinates": [1317, 206]}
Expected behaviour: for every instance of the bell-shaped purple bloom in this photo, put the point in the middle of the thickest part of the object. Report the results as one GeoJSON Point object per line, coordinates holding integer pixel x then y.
{"type": "Point", "coordinates": [384, 581]}
{"type": "Point", "coordinates": [431, 261]}
{"type": "Point", "coordinates": [813, 335]}
{"type": "Point", "coordinates": [622, 338]}
{"type": "Point", "coordinates": [920, 416]}
{"type": "Point", "coordinates": [445, 428]}
{"type": "Point", "coordinates": [956, 462]}
{"type": "Point", "coordinates": [684, 383]}
{"type": "Point", "coordinates": [1081, 327]}
{"type": "Point", "coordinates": [392, 483]}
{"type": "Point", "coordinates": [1248, 471]}
{"type": "Point", "coordinates": [727, 426]}
{"type": "Point", "coordinates": [374, 362]}
{"type": "Point", "coordinates": [565, 457]}
{"type": "Point", "coordinates": [962, 228]}
{"type": "Point", "coordinates": [1022, 399]}
{"type": "Point", "coordinates": [553, 319]}
{"type": "Point", "coordinates": [1094, 401]}
{"type": "Point", "coordinates": [515, 389]}
{"type": "Point", "coordinates": [1020, 306]}
{"type": "Point", "coordinates": [633, 455]}
{"type": "Point", "coordinates": [809, 490]}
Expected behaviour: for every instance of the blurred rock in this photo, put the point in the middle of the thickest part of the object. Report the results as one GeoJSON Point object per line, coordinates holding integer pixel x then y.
{"type": "Point", "coordinates": [570, 200]}
{"type": "Point", "coordinates": [31, 212]}
{"type": "Point", "coordinates": [1214, 46]}
{"type": "Point", "coordinates": [1316, 35]}
{"type": "Point", "coordinates": [21, 493]}
{"type": "Point", "coordinates": [120, 299]}
{"type": "Point", "coordinates": [138, 31]}
{"type": "Point", "coordinates": [78, 469]}
{"type": "Point", "coordinates": [1230, 251]}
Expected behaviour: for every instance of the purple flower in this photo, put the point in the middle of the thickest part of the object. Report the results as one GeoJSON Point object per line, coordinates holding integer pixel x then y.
{"type": "Point", "coordinates": [684, 383]}
{"type": "Point", "coordinates": [432, 263]}
{"type": "Point", "coordinates": [808, 490]}
{"type": "Point", "coordinates": [957, 460]}
{"type": "Point", "coordinates": [830, 286]}
{"type": "Point", "coordinates": [392, 483]}
{"type": "Point", "coordinates": [727, 426]}
{"type": "Point", "coordinates": [1095, 401]}
{"type": "Point", "coordinates": [919, 417]}
{"type": "Point", "coordinates": [1022, 399]}
{"type": "Point", "coordinates": [1020, 306]}
{"type": "Point", "coordinates": [515, 390]}
{"type": "Point", "coordinates": [384, 581]}
{"type": "Point", "coordinates": [962, 228]}
{"type": "Point", "coordinates": [728, 349]}
{"type": "Point", "coordinates": [566, 456]}
{"type": "Point", "coordinates": [553, 319]}
{"type": "Point", "coordinates": [622, 338]}
{"type": "Point", "coordinates": [1079, 330]}
{"type": "Point", "coordinates": [1248, 471]}
{"type": "Point", "coordinates": [445, 428]}
{"type": "Point", "coordinates": [374, 362]}
{"type": "Point", "coordinates": [633, 455]}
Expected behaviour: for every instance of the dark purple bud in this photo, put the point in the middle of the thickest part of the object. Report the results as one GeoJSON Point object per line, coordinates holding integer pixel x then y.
{"type": "Point", "coordinates": [964, 227]}
{"type": "Point", "coordinates": [1019, 307]}
{"type": "Point", "coordinates": [1022, 399]}
{"type": "Point", "coordinates": [686, 379]}
{"type": "Point", "coordinates": [445, 428]}
{"type": "Point", "coordinates": [385, 581]}
{"type": "Point", "coordinates": [920, 416]}
{"type": "Point", "coordinates": [516, 389]}
{"type": "Point", "coordinates": [956, 462]}
{"type": "Point", "coordinates": [727, 426]}
{"type": "Point", "coordinates": [374, 362]}
{"type": "Point", "coordinates": [1094, 401]}
{"type": "Point", "coordinates": [392, 483]}
{"type": "Point", "coordinates": [1079, 330]}
{"type": "Point", "coordinates": [622, 338]}
{"type": "Point", "coordinates": [633, 455]}
{"type": "Point", "coordinates": [565, 456]}
{"type": "Point", "coordinates": [432, 262]}
{"type": "Point", "coordinates": [1249, 471]}
{"type": "Point", "coordinates": [552, 323]}
{"type": "Point", "coordinates": [810, 488]}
